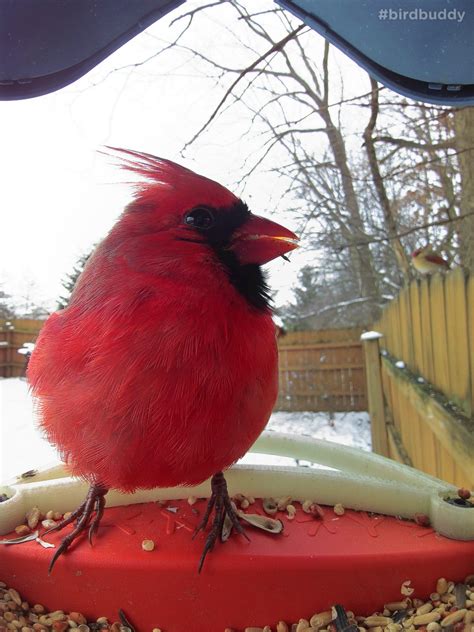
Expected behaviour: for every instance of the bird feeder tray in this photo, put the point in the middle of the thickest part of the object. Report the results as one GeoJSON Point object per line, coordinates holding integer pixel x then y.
{"type": "Point", "coordinates": [359, 559]}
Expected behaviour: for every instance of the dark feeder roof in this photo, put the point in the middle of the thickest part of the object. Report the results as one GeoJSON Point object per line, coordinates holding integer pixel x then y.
{"type": "Point", "coordinates": [46, 45]}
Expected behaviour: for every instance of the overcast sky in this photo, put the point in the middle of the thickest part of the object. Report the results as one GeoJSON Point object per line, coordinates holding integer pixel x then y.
{"type": "Point", "coordinates": [59, 195]}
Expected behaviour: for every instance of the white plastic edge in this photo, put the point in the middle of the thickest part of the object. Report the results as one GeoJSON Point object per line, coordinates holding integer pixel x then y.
{"type": "Point", "coordinates": [362, 481]}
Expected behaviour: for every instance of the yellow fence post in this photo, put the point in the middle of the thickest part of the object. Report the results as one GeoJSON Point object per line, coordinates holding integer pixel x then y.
{"type": "Point", "coordinates": [375, 393]}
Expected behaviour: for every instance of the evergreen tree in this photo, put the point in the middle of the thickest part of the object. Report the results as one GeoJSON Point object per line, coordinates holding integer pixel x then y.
{"type": "Point", "coordinates": [294, 314]}
{"type": "Point", "coordinates": [70, 280]}
{"type": "Point", "coordinates": [6, 310]}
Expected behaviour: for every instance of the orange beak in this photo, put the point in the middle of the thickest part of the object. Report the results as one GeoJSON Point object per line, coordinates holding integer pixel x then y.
{"type": "Point", "coordinates": [260, 240]}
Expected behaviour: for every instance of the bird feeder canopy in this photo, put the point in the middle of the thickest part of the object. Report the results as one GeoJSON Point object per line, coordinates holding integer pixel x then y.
{"type": "Point", "coordinates": [421, 50]}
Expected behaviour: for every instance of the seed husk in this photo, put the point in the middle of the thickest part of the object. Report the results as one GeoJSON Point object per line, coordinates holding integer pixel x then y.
{"type": "Point", "coordinates": [126, 626]}
{"type": "Point", "coordinates": [406, 589]}
{"type": "Point", "coordinates": [270, 506]}
{"type": "Point", "coordinates": [460, 595]}
{"type": "Point", "coordinates": [441, 586]}
{"type": "Point", "coordinates": [283, 502]}
{"type": "Point", "coordinates": [316, 511]}
{"type": "Point", "coordinates": [227, 527]}
{"type": "Point", "coordinates": [22, 529]}
{"type": "Point", "coordinates": [321, 619]}
{"type": "Point", "coordinates": [424, 619]}
{"type": "Point", "coordinates": [291, 512]}
{"type": "Point", "coordinates": [453, 617]}
{"type": "Point", "coordinates": [38, 608]}
{"type": "Point", "coordinates": [376, 621]}
{"type": "Point", "coordinates": [424, 609]}
{"type": "Point", "coordinates": [262, 522]}
{"type": "Point", "coordinates": [393, 606]}
{"type": "Point", "coordinates": [33, 517]}
{"type": "Point", "coordinates": [15, 596]}
{"type": "Point", "coordinates": [148, 545]}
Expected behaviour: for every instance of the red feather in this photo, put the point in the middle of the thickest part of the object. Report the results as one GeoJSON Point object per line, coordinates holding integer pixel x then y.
{"type": "Point", "coordinates": [159, 372]}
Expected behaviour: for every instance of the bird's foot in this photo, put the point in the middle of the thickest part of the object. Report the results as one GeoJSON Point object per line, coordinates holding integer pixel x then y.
{"type": "Point", "coordinates": [94, 501]}
{"type": "Point", "coordinates": [221, 503]}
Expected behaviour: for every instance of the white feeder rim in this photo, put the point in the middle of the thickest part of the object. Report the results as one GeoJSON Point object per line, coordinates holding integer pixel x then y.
{"type": "Point", "coordinates": [360, 480]}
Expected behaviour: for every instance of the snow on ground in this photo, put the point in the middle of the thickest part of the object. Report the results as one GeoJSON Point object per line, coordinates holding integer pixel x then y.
{"type": "Point", "coordinates": [23, 448]}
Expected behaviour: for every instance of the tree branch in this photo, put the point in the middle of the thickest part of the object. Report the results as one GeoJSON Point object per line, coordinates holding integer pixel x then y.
{"type": "Point", "coordinates": [277, 47]}
{"type": "Point", "coordinates": [379, 184]}
{"type": "Point", "coordinates": [409, 231]}
{"type": "Point", "coordinates": [411, 144]}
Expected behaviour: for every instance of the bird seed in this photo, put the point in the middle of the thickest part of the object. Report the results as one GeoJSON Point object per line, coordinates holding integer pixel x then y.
{"type": "Point", "coordinates": [449, 607]}
{"type": "Point", "coordinates": [148, 545]}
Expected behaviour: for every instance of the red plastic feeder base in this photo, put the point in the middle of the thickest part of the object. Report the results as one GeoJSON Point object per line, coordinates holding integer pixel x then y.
{"type": "Point", "coordinates": [357, 560]}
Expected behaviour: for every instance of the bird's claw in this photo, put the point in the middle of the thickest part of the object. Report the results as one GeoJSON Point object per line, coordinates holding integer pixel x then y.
{"type": "Point", "coordinates": [222, 505]}
{"type": "Point", "coordinates": [94, 501]}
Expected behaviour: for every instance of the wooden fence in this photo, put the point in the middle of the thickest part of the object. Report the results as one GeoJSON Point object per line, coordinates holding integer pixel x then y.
{"type": "Point", "coordinates": [13, 334]}
{"type": "Point", "coordinates": [421, 377]}
{"type": "Point", "coordinates": [322, 371]}
{"type": "Point", "coordinates": [319, 370]}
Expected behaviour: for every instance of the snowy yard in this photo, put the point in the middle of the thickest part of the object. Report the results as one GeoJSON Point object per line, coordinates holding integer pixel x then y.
{"type": "Point", "coordinates": [23, 448]}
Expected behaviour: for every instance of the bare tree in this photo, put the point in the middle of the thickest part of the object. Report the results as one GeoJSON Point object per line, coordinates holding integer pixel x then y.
{"type": "Point", "coordinates": [464, 125]}
{"type": "Point", "coordinates": [366, 192]}
{"type": "Point", "coordinates": [419, 165]}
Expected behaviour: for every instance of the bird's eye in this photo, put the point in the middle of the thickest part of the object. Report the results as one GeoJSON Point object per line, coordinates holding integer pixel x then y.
{"type": "Point", "coordinates": [200, 217]}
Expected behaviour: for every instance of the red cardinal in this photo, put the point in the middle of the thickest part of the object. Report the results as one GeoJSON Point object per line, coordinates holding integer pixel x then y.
{"type": "Point", "coordinates": [162, 370]}
{"type": "Point", "coordinates": [427, 261]}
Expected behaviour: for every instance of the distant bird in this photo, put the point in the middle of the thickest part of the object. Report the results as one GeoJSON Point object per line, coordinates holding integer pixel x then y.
{"type": "Point", "coordinates": [428, 261]}
{"type": "Point", "coordinates": [162, 369]}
